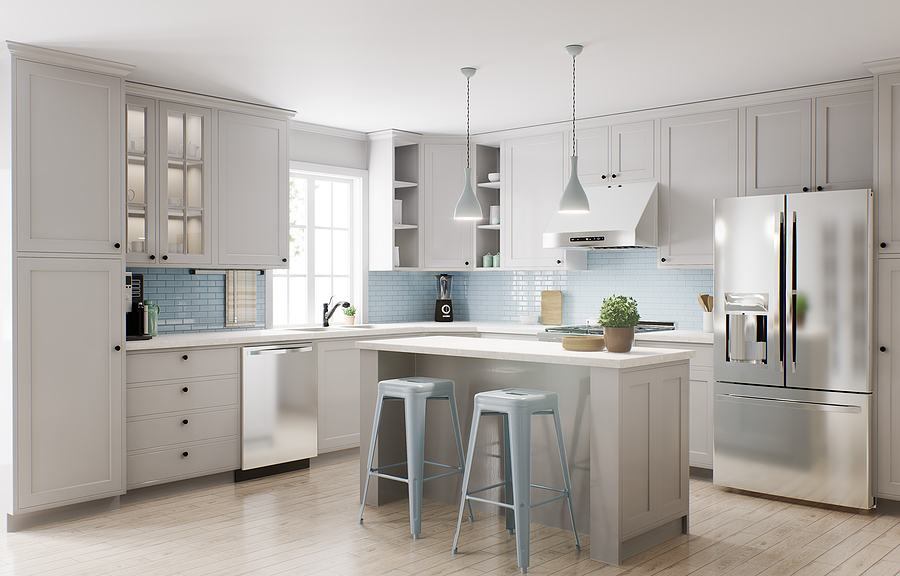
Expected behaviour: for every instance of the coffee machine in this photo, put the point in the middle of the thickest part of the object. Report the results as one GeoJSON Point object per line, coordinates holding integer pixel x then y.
{"type": "Point", "coordinates": [443, 308]}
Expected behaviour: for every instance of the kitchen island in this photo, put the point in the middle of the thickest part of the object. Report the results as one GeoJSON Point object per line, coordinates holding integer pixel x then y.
{"type": "Point", "coordinates": [624, 418]}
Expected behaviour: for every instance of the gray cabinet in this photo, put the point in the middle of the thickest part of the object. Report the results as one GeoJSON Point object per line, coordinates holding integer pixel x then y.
{"type": "Point", "coordinates": [338, 367]}
{"type": "Point", "coordinates": [699, 163]}
{"type": "Point", "coordinates": [887, 382]}
{"type": "Point", "coordinates": [447, 241]}
{"type": "Point", "coordinates": [887, 196]}
{"type": "Point", "coordinates": [617, 153]}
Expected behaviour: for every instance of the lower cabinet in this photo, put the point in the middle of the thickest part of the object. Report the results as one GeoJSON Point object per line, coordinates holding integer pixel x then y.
{"type": "Point", "coordinates": [183, 414]}
{"type": "Point", "coordinates": [887, 460]}
{"type": "Point", "coordinates": [69, 406]}
{"type": "Point", "coordinates": [338, 366]}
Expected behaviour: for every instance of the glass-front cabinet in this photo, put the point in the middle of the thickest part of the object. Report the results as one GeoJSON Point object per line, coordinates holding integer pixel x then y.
{"type": "Point", "coordinates": [140, 180]}
{"type": "Point", "coordinates": [184, 183]}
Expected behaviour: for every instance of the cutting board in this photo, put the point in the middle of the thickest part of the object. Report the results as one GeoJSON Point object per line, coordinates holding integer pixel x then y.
{"type": "Point", "coordinates": [551, 307]}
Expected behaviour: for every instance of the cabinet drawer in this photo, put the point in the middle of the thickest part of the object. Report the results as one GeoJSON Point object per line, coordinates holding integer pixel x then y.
{"type": "Point", "coordinates": [173, 464]}
{"type": "Point", "coordinates": [704, 357]}
{"type": "Point", "coordinates": [182, 428]}
{"type": "Point", "coordinates": [181, 396]}
{"type": "Point", "coordinates": [182, 363]}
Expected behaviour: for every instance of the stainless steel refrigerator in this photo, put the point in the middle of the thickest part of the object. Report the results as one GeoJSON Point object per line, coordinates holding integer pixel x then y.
{"type": "Point", "coordinates": [793, 337]}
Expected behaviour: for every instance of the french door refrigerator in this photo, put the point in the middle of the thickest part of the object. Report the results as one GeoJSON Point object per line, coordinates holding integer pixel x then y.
{"type": "Point", "coordinates": [793, 336]}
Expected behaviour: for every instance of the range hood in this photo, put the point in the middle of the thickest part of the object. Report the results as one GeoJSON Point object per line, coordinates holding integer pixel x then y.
{"type": "Point", "coordinates": [621, 216]}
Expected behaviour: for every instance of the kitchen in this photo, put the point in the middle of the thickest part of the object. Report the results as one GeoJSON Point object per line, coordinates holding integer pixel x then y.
{"type": "Point", "coordinates": [667, 292]}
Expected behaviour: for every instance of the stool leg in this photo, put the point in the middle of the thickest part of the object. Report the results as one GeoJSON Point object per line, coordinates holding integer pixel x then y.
{"type": "Point", "coordinates": [473, 433]}
{"type": "Point", "coordinates": [415, 459]}
{"type": "Point", "coordinates": [507, 476]}
{"type": "Point", "coordinates": [565, 470]}
{"type": "Point", "coordinates": [379, 403]}
{"type": "Point", "coordinates": [520, 455]}
{"type": "Point", "coordinates": [462, 459]}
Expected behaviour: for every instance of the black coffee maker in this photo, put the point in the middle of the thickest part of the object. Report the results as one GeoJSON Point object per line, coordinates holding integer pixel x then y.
{"type": "Point", "coordinates": [443, 308]}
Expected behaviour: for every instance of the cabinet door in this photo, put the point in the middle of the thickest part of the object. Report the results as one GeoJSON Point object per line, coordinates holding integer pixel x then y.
{"type": "Point", "coordinates": [701, 418]}
{"type": "Point", "coordinates": [185, 148]}
{"type": "Point", "coordinates": [779, 145]}
{"type": "Point", "coordinates": [252, 191]}
{"type": "Point", "coordinates": [448, 241]}
{"type": "Point", "coordinates": [698, 164]}
{"type": "Point", "coordinates": [338, 365]}
{"type": "Point", "coordinates": [593, 155]}
{"type": "Point", "coordinates": [631, 151]}
{"type": "Point", "coordinates": [534, 168]}
{"type": "Point", "coordinates": [69, 383]}
{"type": "Point", "coordinates": [69, 164]}
{"type": "Point", "coordinates": [142, 210]}
{"type": "Point", "coordinates": [887, 237]}
{"type": "Point", "coordinates": [844, 141]}
{"type": "Point", "coordinates": [887, 383]}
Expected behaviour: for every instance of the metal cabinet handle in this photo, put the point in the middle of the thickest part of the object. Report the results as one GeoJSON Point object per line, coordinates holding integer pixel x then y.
{"type": "Point", "coordinates": [117, 245]}
{"type": "Point", "coordinates": [882, 349]}
{"type": "Point", "coordinates": [662, 259]}
{"type": "Point", "coordinates": [185, 421]}
{"type": "Point", "coordinates": [184, 454]}
{"type": "Point", "coordinates": [805, 189]}
{"type": "Point", "coordinates": [883, 244]}
{"type": "Point", "coordinates": [614, 175]}
{"type": "Point", "coordinates": [153, 256]}
{"type": "Point", "coordinates": [185, 389]}
{"type": "Point", "coordinates": [284, 259]}
{"type": "Point", "coordinates": [118, 347]}
{"type": "Point", "coordinates": [819, 188]}
{"type": "Point", "coordinates": [603, 177]}
{"type": "Point", "coordinates": [185, 357]}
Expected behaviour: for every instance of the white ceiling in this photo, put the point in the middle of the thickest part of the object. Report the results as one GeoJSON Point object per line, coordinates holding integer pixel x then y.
{"type": "Point", "coordinates": [367, 65]}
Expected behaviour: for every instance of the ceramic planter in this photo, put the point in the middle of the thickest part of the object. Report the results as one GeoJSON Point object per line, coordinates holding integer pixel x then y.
{"type": "Point", "coordinates": [349, 319]}
{"type": "Point", "coordinates": [619, 339]}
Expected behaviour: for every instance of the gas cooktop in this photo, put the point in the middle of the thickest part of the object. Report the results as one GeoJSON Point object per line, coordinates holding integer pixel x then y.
{"type": "Point", "coordinates": [557, 332]}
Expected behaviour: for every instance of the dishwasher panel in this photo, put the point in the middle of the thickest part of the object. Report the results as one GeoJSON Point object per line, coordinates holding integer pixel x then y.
{"type": "Point", "coordinates": [279, 405]}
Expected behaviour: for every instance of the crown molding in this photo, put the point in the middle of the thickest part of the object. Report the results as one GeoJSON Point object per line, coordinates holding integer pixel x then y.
{"type": "Point", "coordinates": [327, 130]}
{"type": "Point", "coordinates": [882, 66]}
{"type": "Point", "coordinates": [228, 104]}
{"type": "Point", "coordinates": [60, 58]}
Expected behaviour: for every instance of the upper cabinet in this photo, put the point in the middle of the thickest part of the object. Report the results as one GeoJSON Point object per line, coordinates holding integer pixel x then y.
{"type": "Point", "coordinates": [448, 241]}
{"type": "Point", "coordinates": [535, 179]}
{"type": "Point", "coordinates": [140, 180]}
{"type": "Point", "coordinates": [887, 196]}
{"type": "Point", "coordinates": [487, 231]}
{"type": "Point", "coordinates": [68, 160]}
{"type": "Point", "coordinates": [699, 163]}
{"type": "Point", "coordinates": [251, 192]}
{"type": "Point", "coordinates": [811, 144]}
{"type": "Point", "coordinates": [617, 153]}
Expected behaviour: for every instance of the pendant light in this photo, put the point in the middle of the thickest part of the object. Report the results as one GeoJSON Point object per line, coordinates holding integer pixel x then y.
{"type": "Point", "coordinates": [574, 198]}
{"type": "Point", "coordinates": [468, 207]}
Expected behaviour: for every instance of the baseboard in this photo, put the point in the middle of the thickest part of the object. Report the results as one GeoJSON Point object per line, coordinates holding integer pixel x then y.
{"type": "Point", "coordinates": [335, 457]}
{"type": "Point", "coordinates": [27, 520]}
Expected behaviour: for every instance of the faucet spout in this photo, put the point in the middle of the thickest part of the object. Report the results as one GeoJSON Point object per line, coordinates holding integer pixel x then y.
{"type": "Point", "coordinates": [327, 314]}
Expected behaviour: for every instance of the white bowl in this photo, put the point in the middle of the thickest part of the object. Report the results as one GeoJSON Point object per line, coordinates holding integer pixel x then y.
{"type": "Point", "coordinates": [528, 318]}
{"type": "Point", "coordinates": [494, 177]}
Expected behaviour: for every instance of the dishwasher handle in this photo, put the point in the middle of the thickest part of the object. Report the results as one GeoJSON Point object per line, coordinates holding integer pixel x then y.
{"type": "Point", "coordinates": [277, 351]}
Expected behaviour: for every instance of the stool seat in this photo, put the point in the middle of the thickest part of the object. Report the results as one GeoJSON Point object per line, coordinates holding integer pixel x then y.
{"type": "Point", "coordinates": [416, 385]}
{"type": "Point", "coordinates": [535, 400]}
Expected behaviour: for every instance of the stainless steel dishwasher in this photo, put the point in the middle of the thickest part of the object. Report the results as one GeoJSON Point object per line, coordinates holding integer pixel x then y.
{"type": "Point", "coordinates": [279, 406]}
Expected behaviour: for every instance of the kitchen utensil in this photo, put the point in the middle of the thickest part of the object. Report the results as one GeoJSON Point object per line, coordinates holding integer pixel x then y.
{"type": "Point", "coordinates": [529, 318]}
{"type": "Point", "coordinates": [487, 261]}
{"type": "Point", "coordinates": [583, 343]}
{"type": "Point", "coordinates": [551, 307]}
{"type": "Point", "coordinates": [493, 177]}
{"type": "Point", "coordinates": [496, 260]}
{"type": "Point", "coordinates": [702, 303]}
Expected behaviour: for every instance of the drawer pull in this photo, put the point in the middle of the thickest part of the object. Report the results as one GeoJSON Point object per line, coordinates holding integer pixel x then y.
{"type": "Point", "coordinates": [184, 454]}
{"type": "Point", "coordinates": [185, 421]}
{"type": "Point", "coordinates": [185, 357]}
{"type": "Point", "coordinates": [185, 389]}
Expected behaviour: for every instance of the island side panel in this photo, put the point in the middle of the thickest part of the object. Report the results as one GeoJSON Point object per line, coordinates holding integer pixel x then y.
{"type": "Point", "coordinates": [605, 465]}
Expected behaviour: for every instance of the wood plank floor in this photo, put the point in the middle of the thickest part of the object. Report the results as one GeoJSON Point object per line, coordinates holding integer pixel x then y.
{"type": "Point", "coordinates": [305, 523]}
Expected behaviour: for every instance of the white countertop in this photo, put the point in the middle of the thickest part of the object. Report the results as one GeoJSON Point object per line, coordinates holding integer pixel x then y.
{"type": "Point", "coordinates": [524, 351]}
{"type": "Point", "coordinates": [259, 337]}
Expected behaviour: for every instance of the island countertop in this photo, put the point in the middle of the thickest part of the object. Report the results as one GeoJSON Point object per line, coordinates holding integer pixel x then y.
{"type": "Point", "coordinates": [524, 351]}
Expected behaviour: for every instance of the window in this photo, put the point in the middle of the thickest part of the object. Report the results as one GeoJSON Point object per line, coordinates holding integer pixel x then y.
{"type": "Point", "coordinates": [323, 249]}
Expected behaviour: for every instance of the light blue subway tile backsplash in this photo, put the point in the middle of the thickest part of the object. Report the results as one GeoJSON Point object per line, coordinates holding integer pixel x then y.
{"type": "Point", "coordinates": [500, 296]}
{"type": "Point", "coordinates": [193, 302]}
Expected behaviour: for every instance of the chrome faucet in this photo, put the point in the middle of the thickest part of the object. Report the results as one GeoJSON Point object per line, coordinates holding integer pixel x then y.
{"type": "Point", "coordinates": [326, 314]}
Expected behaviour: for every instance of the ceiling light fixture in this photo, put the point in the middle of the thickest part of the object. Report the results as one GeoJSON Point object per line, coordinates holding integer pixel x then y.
{"type": "Point", "coordinates": [468, 207]}
{"type": "Point", "coordinates": [574, 198]}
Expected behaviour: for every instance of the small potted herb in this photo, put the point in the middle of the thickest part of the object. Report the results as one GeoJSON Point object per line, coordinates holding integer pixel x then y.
{"type": "Point", "coordinates": [350, 315]}
{"type": "Point", "coordinates": [618, 316]}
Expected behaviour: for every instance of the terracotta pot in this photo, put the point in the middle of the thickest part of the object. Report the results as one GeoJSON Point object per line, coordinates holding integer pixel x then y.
{"type": "Point", "coordinates": [619, 339]}
{"type": "Point", "coordinates": [349, 319]}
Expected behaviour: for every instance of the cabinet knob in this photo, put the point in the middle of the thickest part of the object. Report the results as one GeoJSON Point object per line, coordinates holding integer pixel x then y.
{"type": "Point", "coordinates": [185, 357]}
{"type": "Point", "coordinates": [819, 188]}
{"type": "Point", "coordinates": [614, 175]}
{"type": "Point", "coordinates": [467, 262]}
{"type": "Point", "coordinates": [185, 389]}
{"type": "Point", "coordinates": [662, 259]}
{"type": "Point", "coordinates": [559, 261]}
{"type": "Point", "coordinates": [284, 259]}
{"type": "Point", "coordinates": [165, 256]}
{"type": "Point", "coordinates": [153, 256]}
{"type": "Point", "coordinates": [184, 454]}
{"type": "Point", "coordinates": [883, 244]}
{"type": "Point", "coordinates": [603, 177]}
{"type": "Point", "coordinates": [118, 348]}
{"type": "Point", "coordinates": [117, 245]}
{"type": "Point", "coordinates": [805, 189]}
{"type": "Point", "coordinates": [883, 349]}
{"type": "Point", "coordinates": [185, 421]}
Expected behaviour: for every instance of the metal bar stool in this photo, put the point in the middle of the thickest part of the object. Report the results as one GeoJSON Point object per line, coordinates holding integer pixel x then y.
{"type": "Point", "coordinates": [414, 392]}
{"type": "Point", "coordinates": [517, 406]}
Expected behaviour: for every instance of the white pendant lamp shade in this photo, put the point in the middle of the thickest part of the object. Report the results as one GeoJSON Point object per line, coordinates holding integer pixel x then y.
{"type": "Point", "coordinates": [574, 198]}
{"type": "Point", "coordinates": [468, 207]}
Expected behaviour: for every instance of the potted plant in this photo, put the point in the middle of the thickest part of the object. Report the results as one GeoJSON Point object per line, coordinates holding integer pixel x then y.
{"type": "Point", "coordinates": [350, 315]}
{"type": "Point", "coordinates": [618, 316]}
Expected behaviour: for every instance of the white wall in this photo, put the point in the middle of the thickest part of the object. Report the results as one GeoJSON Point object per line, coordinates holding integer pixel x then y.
{"type": "Point", "coordinates": [327, 146]}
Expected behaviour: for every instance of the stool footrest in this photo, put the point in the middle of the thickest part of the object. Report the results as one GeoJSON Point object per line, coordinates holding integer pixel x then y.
{"type": "Point", "coordinates": [548, 500]}
{"type": "Point", "coordinates": [488, 488]}
{"type": "Point", "coordinates": [457, 471]}
{"type": "Point", "coordinates": [486, 501]}
{"type": "Point", "coordinates": [389, 477]}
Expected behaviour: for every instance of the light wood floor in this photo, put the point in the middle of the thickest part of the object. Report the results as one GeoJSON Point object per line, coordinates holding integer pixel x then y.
{"type": "Point", "coordinates": [305, 523]}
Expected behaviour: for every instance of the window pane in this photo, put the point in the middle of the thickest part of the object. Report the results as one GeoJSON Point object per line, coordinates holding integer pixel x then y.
{"type": "Point", "coordinates": [342, 208]}
{"type": "Point", "coordinates": [323, 203]}
{"type": "Point", "coordinates": [323, 251]}
{"type": "Point", "coordinates": [297, 252]}
{"type": "Point", "coordinates": [279, 300]}
{"type": "Point", "coordinates": [341, 288]}
{"type": "Point", "coordinates": [342, 254]}
{"type": "Point", "coordinates": [323, 292]}
{"type": "Point", "coordinates": [298, 302]}
{"type": "Point", "coordinates": [297, 198]}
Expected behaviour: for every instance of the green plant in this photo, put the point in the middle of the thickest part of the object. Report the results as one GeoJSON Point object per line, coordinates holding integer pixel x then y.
{"type": "Point", "coordinates": [619, 312]}
{"type": "Point", "coordinates": [350, 311]}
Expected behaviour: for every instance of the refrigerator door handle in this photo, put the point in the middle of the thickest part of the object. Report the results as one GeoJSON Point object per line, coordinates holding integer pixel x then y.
{"type": "Point", "coordinates": [780, 257]}
{"type": "Point", "coordinates": [798, 404]}
{"type": "Point", "coordinates": [794, 293]}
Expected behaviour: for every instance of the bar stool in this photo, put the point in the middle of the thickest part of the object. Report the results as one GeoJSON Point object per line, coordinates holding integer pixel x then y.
{"type": "Point", "coordinates": [517, 406]}
{"type": "Point", "coordinates": [414, 392]}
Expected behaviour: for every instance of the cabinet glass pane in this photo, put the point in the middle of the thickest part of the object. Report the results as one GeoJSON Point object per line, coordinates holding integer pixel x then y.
{"type": "Point", "coordinates": [193, 136]}
{"type": "Point", "coordinates": [176, 231]}
{"type": "Point", "coordinates": [136, 123]}
{"type": "Point", "coordinates": [175, 184]}
{"type": "Point", "coordinates": [136, 178]}
{"type": "Point", "coordinates": [194, 238]}
{"type": "Point", "coordinates": [175, 134]}
{"type": "Point", "coordinates": [194, 186]}
{"type": "Point", "coordinates": [136, 232]}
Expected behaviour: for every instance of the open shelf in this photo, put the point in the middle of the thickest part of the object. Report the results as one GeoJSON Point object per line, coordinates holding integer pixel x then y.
{"type": "Point", "coordinates": [488, 226]}
{"type": "Point", "coordinates": [494, 185]}
{"type": "Point", "coordinates": [405, 226]}
{"type": "Point", "coordinates": [402, 184]}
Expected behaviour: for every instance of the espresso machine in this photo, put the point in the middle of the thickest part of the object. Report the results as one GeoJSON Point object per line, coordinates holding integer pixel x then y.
{"type": "Point", "coordinates": [443, 308]}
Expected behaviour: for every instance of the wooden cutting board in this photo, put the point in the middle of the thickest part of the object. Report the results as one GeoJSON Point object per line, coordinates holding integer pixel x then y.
{"type": "Point", "coordinates": [551, 307]}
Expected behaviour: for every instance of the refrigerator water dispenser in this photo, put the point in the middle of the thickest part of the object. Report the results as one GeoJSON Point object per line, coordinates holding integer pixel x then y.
{"type": "Point", "coordinates": [745, 327]}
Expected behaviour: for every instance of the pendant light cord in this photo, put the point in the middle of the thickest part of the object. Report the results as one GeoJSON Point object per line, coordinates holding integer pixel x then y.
{"type": "Point", "coordinates": [467, 123]}
{"type": "Point", "coordinates": [573, 106]}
